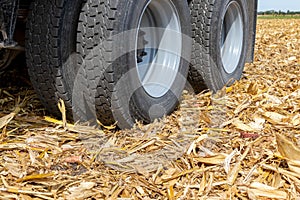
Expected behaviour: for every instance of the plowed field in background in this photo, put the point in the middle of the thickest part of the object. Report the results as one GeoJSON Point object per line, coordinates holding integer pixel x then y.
{"type": "Point", "coordinates": [240, 143]}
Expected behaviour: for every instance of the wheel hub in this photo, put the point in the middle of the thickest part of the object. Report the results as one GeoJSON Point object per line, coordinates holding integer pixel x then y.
{"type": "Point", "coordinates": [141, 43]}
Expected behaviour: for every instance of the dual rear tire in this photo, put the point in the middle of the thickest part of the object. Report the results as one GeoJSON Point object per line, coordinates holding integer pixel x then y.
{"type": "Point", "coordinates": [220, 31]}
{"type": "Point", "coordinates": [124, 61]}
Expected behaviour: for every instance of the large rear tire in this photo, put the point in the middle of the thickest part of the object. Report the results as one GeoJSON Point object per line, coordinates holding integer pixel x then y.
{"type": "Point", "coordinates": [138, 69]}
{"type": "Point", "coordinates": [112, 60]}
{"type": "Point", "coordinates": [50, 41]}
{"type": "Point", "coordinates": [220, 31]}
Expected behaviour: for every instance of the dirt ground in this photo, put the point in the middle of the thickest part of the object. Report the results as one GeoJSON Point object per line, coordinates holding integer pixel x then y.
{"type": "Point", "coordinates": [241, 143]}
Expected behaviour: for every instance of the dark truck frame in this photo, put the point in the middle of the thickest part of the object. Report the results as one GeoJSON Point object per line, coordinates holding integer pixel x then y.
{"type": "Point", "coordinates": [13, 15]}
{"type": "Point", "coordinates": [209, 22]}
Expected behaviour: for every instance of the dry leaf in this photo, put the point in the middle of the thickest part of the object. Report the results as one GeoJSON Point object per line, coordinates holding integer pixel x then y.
{"type": "Point", "coordinates": [241, 126]}
{"type": "Point", "coordinates": [294, 166]}
{"type": "Point", "coordinates": [296, 120]}
{"type": "Point", "coordinates": [34, 177]}
{"type": "Point", "coordinates": [82, 191]}
{"type": "Point", "coordinates": [253, 88]}
{"type": "Point", "coordinates": [6, 119]}
{"type": "Point", "coordinates": [214, 160]}
{"type": "Point", "coordinates": [275, 118]}
{"type": "Point", "coordinates": [258, 123]}
{"type": "Point", "coordinates": [266, 191]}
{"type": "Point", "coordinates": [287, 149]}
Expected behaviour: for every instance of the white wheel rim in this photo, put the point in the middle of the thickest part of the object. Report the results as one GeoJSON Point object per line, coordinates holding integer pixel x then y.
{"type": "Point", "coordinates": [158, 69]}
{"type": "Point", "coordinates": [232, 37]}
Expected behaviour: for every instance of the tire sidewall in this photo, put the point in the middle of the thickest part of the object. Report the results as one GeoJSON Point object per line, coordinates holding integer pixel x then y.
{"type": "Point", "coordinates": [220, 76]}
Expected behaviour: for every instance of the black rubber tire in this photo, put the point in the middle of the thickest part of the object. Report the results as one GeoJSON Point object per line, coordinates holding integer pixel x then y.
{"type": "Point", "coordinates": [106, 85]}
{"type": "Point", "coordinates": [207, 70]}
{"type": "Point", "coordinates": [50, 40]}
{"type": "Point", "coordinates": [60, 39]}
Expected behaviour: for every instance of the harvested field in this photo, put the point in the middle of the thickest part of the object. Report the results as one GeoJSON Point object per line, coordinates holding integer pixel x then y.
{"type": "Point", "coordinates": [242, 143]}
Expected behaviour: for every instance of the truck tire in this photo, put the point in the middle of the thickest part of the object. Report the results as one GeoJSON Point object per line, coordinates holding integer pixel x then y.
{"type": "Point", "coordinates": [135, 65]}
{"type": "Point", "coordinates": [78, 51]}
{"type": "Point", "coordinates": [220, 31]}
{"type": "Point", "coordinates": [50, 40]}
